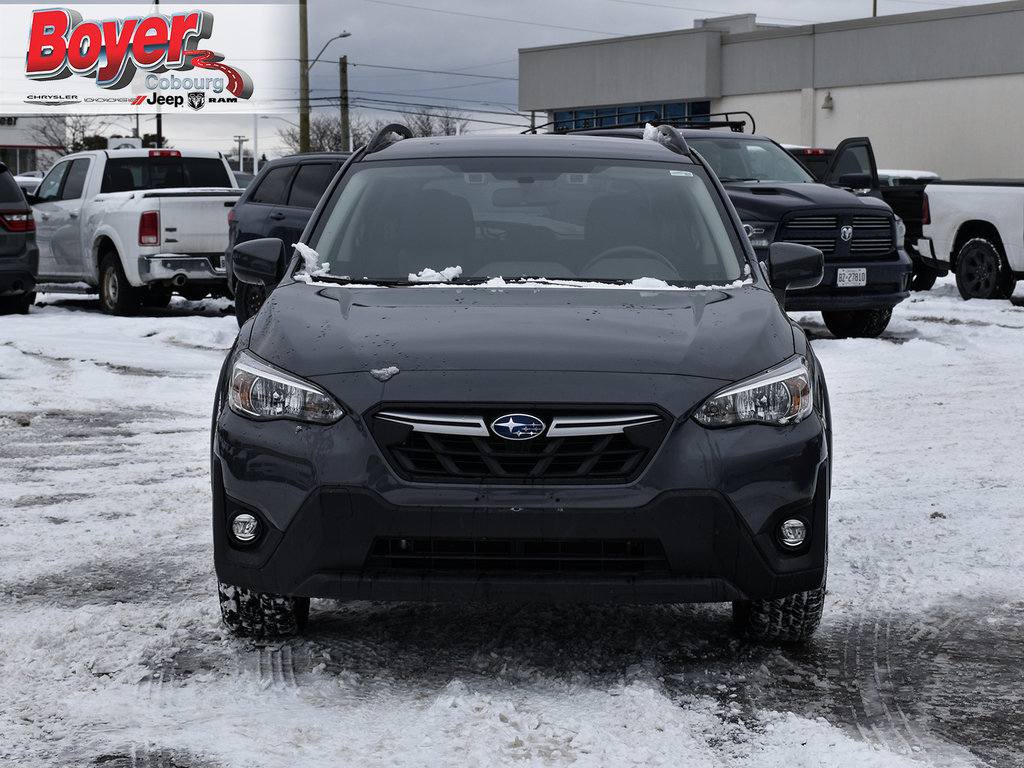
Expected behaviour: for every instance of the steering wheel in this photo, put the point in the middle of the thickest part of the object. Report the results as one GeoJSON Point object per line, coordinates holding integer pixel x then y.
{"type": "Point", "coordinates": [621, 250]}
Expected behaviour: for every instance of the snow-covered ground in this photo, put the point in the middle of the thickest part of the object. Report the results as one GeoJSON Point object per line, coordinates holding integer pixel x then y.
{"type": "Point", "coordinates": [112, 654]}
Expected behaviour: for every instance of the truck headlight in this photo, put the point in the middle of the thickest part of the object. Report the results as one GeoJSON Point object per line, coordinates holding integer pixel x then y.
{"type": "Point", "coordinates": [760, 233]}
{"type": "Point", "coordinates": [261, 391]}
{"type": "Point", "coordinates": [779, 396]}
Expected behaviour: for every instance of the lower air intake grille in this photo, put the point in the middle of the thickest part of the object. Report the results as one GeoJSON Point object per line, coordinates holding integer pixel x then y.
{"type": "Point", "coordinates": [522, 555]}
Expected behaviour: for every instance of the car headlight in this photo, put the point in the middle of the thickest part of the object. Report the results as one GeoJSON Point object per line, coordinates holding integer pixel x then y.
{"type": "Point", "coordinates": [780, 396]}
{"type": "Point", "coordinates": [760, 233]}
{"type": "Point", "coordinates": [261, 391]}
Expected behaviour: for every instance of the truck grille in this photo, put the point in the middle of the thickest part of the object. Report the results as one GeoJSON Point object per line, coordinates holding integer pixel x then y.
{"type": "Point", "coordinates": [522, 555]}
{"type": "Point", "coordinates": [457, 446]}
{"type": "Point", "coordinates": [872, 234]}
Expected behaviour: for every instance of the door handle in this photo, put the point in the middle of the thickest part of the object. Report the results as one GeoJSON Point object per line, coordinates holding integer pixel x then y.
{"type": "Point", "coordinates": [74, 214]}
{"type": "Point", "coordinates": [277, 216]}
{"type": "Point", "coordinates": [44, 216]}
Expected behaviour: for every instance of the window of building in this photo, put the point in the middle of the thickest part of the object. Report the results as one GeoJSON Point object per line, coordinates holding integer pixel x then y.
{"type": "Point", "coordinates": [628, 114]}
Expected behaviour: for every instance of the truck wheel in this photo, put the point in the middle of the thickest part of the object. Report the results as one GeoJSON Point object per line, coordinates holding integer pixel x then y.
{"type": "Point", "coordinates": [857, 323]}
{"type": "Point", "coordinates": [248, 300]}
{"type": "Point", "coordinates": [790, 619]}
{"type": "Point", "coordinates": [923, 278]}
{"type": "Point", "coordinates": [249, 613]}
{"type": "Point", "coordinates": [117, 295]}
{"type": "Point", "coordinates": [982, 271]}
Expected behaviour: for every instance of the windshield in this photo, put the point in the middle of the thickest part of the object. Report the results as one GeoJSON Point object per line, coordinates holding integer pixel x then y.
{"type": "Point", "coordinates": [477, 219]}
{"type": "Point", "coordinates": [748, 160]}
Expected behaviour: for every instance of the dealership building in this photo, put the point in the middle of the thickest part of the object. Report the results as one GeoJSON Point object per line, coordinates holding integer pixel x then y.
{"type": "Point", "coordinates": [940, 90]}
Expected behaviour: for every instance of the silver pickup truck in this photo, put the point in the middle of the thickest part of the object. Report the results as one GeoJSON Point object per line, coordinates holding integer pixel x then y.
{"type": "Point", "coordinates": [135, 225]}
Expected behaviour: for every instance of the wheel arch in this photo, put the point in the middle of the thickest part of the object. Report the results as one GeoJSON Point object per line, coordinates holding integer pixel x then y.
{"type": "Point", "coordinates": [970, 230]}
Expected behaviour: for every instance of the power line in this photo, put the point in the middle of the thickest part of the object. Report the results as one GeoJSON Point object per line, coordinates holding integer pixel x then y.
{"type": "Point", "coordinates": [493, 18]}
{"type": "Point", "coordinates": [431, 71]}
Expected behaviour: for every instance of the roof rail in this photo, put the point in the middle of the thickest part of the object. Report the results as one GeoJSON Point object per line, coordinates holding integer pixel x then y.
{"type": "Point", "coordinates": [380, 138]}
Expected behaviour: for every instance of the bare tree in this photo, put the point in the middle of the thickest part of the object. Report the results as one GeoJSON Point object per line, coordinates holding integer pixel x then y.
{"type": "Point", "coordinates": [325, 130]}
{"type": "Point", "coordinates": [436, 121]}
{"type": "Point", "coordinates": [69, 133]}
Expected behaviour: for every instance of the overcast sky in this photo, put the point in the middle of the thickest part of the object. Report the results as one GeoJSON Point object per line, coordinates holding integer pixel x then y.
{"type": "Point", "coordinates": [471, 48]}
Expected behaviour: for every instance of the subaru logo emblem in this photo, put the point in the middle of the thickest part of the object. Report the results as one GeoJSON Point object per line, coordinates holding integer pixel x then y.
{"type": "Point", "coordinates": [517, 426]}
{"type": "Point", "coordinates": [846, 233]}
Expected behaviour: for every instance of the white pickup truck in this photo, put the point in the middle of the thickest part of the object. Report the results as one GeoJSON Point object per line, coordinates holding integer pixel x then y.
{"type": "Point", "coordinates": [976, 230]}
{"type": "Point", "coordinates": [135, 225]}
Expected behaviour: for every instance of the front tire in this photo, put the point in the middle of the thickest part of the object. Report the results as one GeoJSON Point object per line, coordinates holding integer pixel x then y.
{"type": "Point", "coordinates": [857, 323]}
{"type": "Point", "coordinates": [19, 304]}
{"type": "Point", "coordinates": [248, 613]}
{"type": "Point", "coordinates": [982, 271]}
{"type": "Point", "coordinates": [923, 277]}
{"type": "Point", "coordinates": [792, 619]}
{"type": "Point", "coordinates": [117, 295]}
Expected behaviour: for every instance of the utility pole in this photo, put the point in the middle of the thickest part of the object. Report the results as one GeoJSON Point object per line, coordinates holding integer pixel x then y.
{"type": "Point", "coordinates": [241, 140]}
{"type": "Point", "coordinates": [346, 138]}
{"type": "Point", "coordinates": [303, 81]}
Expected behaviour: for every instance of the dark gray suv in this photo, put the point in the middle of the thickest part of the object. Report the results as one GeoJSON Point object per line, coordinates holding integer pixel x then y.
{"type": "Point", "coordinates": [277, 203]}
{"type": "Point", "coordinates": [19, 257]}
{"type": "Point", "coordinates": [523, 368]}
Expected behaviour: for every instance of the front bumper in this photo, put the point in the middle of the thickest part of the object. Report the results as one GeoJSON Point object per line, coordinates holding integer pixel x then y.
{"type": "Point", "coordinates": [888, 284]}
{"type": "Point", "coordinates": [193, 269]}
{"type": "Point", "coordinates": [699, 524]}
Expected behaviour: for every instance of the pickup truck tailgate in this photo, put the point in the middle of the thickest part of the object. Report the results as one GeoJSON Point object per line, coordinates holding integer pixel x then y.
{"type": "Point", "coordinates": [193, 221]}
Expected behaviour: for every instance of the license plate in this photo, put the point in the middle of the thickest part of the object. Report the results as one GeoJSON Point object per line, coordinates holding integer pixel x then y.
{"type": "Point", "coordinates": [851, 277]}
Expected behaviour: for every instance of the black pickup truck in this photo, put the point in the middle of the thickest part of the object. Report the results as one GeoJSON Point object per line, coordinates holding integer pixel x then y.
{"type": "Point", "coordinates": [866, 273]}
{"type": "Point", "coordinates": [902, 190]}
{"type": "Point", "coordinates": [779, 200]}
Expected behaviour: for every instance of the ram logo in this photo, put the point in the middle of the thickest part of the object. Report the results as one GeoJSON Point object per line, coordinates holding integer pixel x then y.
{"type": "Point", "coordinates": [846, 233]}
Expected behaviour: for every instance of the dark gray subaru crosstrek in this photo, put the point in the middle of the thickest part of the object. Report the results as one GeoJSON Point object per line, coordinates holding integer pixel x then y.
{"type": "Point", "coordinates": [522, 368]}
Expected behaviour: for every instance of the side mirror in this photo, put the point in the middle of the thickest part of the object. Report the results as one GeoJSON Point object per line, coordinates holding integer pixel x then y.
{"type": "Point", "coordinates": [855, 180]}
{"type": "Point", "coordinates": [259, 262]}
{"type": "Point", "coordinates": [31, 198]}
{"type": "Point", "coordinates": [792, 266]}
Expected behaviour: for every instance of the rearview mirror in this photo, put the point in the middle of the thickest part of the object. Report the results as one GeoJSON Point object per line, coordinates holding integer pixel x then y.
{"type": "Point", "coordinates": [259, 262]}
{"type": "Point", "coordinates": [792, 266]}
{"type": "Point", "coordinates": [855, 180]}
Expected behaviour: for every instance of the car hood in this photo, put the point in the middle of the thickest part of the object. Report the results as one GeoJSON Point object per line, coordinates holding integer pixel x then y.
{"type": "Point", "coordinates": [312, 330]}
{"type": "Point", "coordinates": [769, 202]}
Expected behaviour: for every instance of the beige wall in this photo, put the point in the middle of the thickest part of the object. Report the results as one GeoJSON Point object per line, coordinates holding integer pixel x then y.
{"type": "Point", "coordinates": [959, 128]}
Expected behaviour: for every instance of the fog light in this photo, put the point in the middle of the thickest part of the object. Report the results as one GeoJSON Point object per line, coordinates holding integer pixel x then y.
{"type": "Point", "coordinates": [245, 527]}
{"type": "Point", "coordinates": [793, 533]}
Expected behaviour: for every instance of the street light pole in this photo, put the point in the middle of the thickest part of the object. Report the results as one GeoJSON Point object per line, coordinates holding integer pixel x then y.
{"type": "Point", "coordinates": [343, 93]}
{"type": "Point", "coordinates": [303, 81]}
{"type": "Point", "coordinates": [304, 68]}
